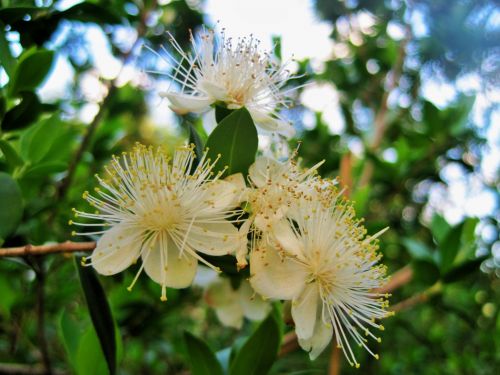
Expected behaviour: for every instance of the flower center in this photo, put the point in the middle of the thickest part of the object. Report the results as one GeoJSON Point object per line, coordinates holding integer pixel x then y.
{"type": "Point", "coordinates": [166, 216]}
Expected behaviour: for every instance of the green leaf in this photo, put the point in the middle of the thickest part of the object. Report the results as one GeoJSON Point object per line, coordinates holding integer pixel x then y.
{"type": "Point", "coordinates": [24, 113]}
{"type": "Point", "coordinates": [100, 313]}
{"type": "Point", "coordinates": [202, 358]}
{"type": "Point", "coordinates": [6, 59]}
{"type": "Point", "coordinates": [36, 142]}
{"type": "Point", "coordinates": [45, 169]}
{"type": "Point", "coordinates": [69, 333]}
{"type": "Point", "coordinates": [417, 249]}
{"type": "Point", "coordinates": [221, 112]}
{"type": "Point", "coordinates": [34, 65]}
{"type": "Point", "coordinates": [195, 139]}
{"type": "Point", "coordinates": [426, 272]}
{"type": "Point", "coordinates": [235, 140]}
{"type": "Point", "coordinates": [11, 203]}
{"type": "Point", "coordinates": [463, 270]}
{"type": "Point", "coordinates": [89, 358]}
{"type": "Point", "coordinates": [10, 154]}
{"type": "Point", "coordinates": [439, 228]}
{"type": "Point", "coordinates": [360, 199]}
{"type": "Point", "coordinates": [449, 247]}
{"type": "Point", "coordinates": [259, 352]}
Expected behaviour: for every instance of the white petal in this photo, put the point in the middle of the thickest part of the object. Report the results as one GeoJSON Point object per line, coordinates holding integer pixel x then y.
{"type": "Point", "coordinates": [220, 195]}
{"type": "Point", "coordinates": [286, 237]}
{"type": "Point", "coordinates": [214, 238]}
{"type": "Point", "coordinates": [319, 340]}
{"type": "Point", "coordinates": [164, 264]}
{"type": "Point", "coordinates": [213, 90]}
{"type": "Point", "coordinates": [274, 277]}
{"type": "Point", "coordinates": [263, 167]}
{"type": "Point", "coordinates": [224, 300]}
{"type": "Point", "coordinates": [271, 124]}
{"type": "Point", "coordinates": [230, 315]}
{"type": "Point", "coordinates": [238, 181]}
{"type": "Point", "coordinates": [254, 306]}
{"type": "Point", "coordinates": [304, 309]}
{"type": "Point", "coordinates": [116, 250]}
{"type": "Point", "coordinates": [181, 103]}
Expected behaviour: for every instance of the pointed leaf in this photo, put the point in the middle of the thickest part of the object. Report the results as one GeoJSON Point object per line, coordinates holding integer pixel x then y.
{"type": "Point", "coordinates": [260, 351]}
{"type": "Point", "coordinates": [439, 228]}
{"type": "Point", "coordinates": [32, 69]}
{"type": "Point", "coordinates": [6, 59]}
{"type": "Point", "coordinates": [100, 313]}
{"type": "Point", "coordinates": [463, 270]}
{"type": "Point", "coordinates": [449, 247]}
{"type": "Point", "coordinates": [10, 154]}
{"type": "Point", "coordinates": [11, 203]}
{"type": "Point", "coordinates": [221, 113]}
{"type": "Point", "coordinates": [203, 361]}
{"type": "Point", "coordinates": [24, 113]}
{"type": "Point", "coordinates": [235, 140]}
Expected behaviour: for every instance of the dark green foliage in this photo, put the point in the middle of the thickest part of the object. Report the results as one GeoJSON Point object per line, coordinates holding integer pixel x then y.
{"type": "Point", "coordinates": [259, 352]}
{"type": "Point", "coordinates": [234, 141]}
{"type": "Point", "coordinates": [202, 360]}
{"type": "Point", "coordinates": [11, 202]}
{"type": "Point", "coordinates": [100, 314]}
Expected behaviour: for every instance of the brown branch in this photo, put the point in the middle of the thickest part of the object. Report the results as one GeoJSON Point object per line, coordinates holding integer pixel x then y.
{"type": "Point", "coordinates": [398, 279]}
{"type": "Point", "coordinates": [335, 360]}
{"type": "Point", "coordinates": [289, 344]}
{"type": "Point", "coordinates": [22, 369]}
{"type": "Point", "coordinates": [64, 247]}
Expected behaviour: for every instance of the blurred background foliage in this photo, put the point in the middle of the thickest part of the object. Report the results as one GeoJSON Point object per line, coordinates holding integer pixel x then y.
{"type": "Point", "coordinates": [403, 156]}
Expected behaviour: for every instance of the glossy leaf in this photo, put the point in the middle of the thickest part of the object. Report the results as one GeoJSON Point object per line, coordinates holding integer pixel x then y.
{"type": "Point", "coordinates": [426, 272]}
{"type": "Point", "coordinates": [463, 270]}
{"type": "Point", "coordinates": [6, 59]}
{"type": "Point", "coordinates": [235, 140]}
{"type": "Point", "coordinates": [90, 359]}
{"type": "Point", "coordinates": [221, 113]}
{"type": "Point", "coordinates": [260, 350]}
{"type": "Point", "coordinates": [24, 113]}
{"type": "Point", "coordinates": [449, 247]}
{"type": "Point", "coordinates": [11, 203]}
{"type": "Point", "coordinates": [439, 228]}
{"type": "Point", "coordinates": [32, 69]}
{"type": "Point", "coordinates": [10, 154]}
{"type": "Point", "coordinates": [100, 313]}
{"type": "Point", "coordinates": [417, 249]}
{"type": "Point", "coordinates": [201, 358]}
{"type": "Point", "coordinates": [37, 141]}
{"type": "Point", "coordinates": [70, 334]}
{"type": "Point", "coordinates": [195, 139]}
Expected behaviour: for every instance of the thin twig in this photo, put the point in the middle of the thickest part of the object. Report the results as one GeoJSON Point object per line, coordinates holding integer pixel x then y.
{"type": "Point", "coordinates": [64, 247]}
{"type": "Point", "coordinates": [40, 312]}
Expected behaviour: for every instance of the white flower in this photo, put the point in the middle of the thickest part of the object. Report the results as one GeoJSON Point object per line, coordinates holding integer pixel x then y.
{"type": "Point", "coordinates": [275, 186]}
{"type": "Point", "coordinates": [158, 211]}
{"type": "Point", "coordinates": [231, 305]}
{"type": "Point", "coordinates": [323, 262]}
{"type": "Point", "coordinates": [237, 75]}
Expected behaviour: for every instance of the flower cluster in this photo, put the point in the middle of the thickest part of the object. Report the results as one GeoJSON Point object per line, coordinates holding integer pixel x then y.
{"type": "Point", "coordinates": [311, 250]}
{"type": "Point", "coordinates": [295, 230]}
